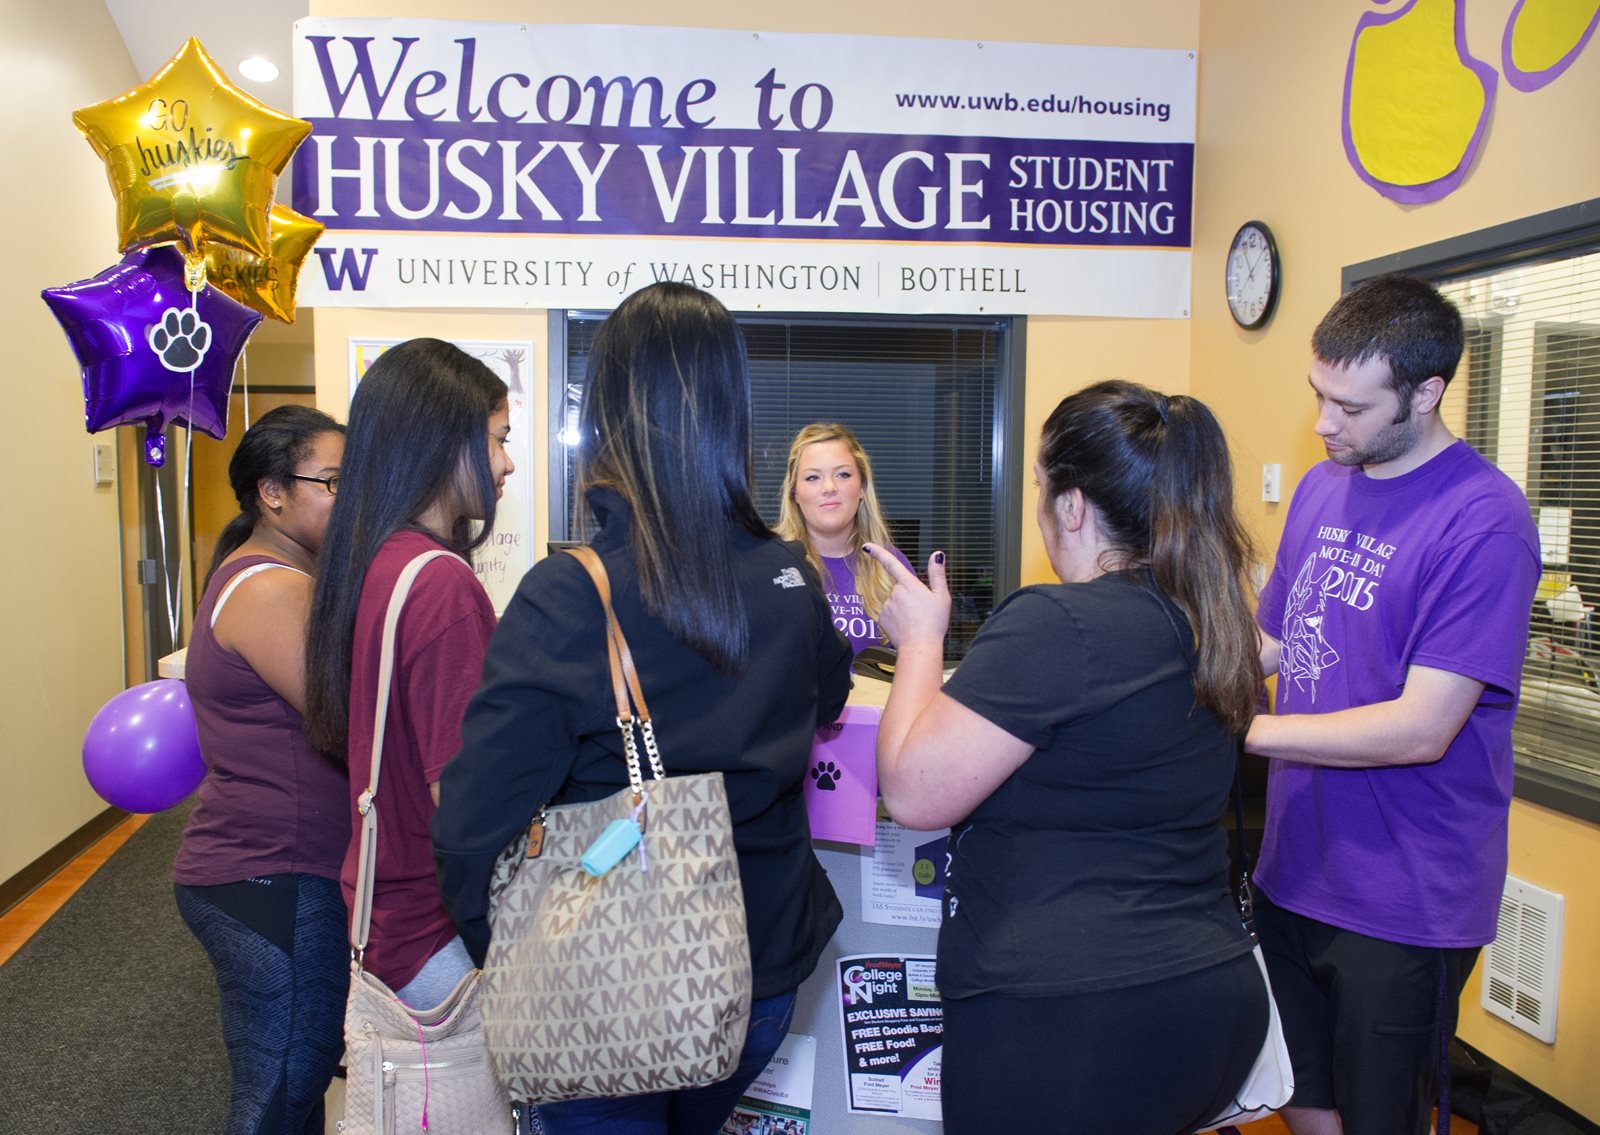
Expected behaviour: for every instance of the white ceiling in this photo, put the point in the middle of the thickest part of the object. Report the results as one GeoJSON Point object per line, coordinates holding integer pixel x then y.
{"type": "Point", "coordinates": [230, 31]}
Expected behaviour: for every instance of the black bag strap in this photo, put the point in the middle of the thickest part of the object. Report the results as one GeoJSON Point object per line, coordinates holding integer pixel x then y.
{"type": "Point", "coordinates": [1243, 894]}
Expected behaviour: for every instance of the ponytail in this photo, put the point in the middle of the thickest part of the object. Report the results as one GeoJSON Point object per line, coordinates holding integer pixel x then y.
{"type": "Point", "coordinates": [1199, 556]}
{"type": "Point", "coordinates": [236, 533]}
{"type": "Point", "coordinates": [1158, 471]}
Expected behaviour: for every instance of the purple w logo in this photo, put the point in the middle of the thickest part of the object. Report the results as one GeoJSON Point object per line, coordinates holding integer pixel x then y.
{"type": "Point", "coordinates": [335, 274]}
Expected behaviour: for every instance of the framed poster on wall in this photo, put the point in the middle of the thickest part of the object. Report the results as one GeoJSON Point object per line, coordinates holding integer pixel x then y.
{"type": "Point", "coordinates": [508, 553]}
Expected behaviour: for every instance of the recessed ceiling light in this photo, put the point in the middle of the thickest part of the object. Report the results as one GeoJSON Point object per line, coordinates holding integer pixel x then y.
{"type": "Point", "coordinates": [258, 69]}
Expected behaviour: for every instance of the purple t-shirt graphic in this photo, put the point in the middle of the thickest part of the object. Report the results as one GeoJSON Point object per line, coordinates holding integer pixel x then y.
{"type": "Point", "coordinates": [1435, 568]}
{"type": "Point", "coordinates": [849, 613]}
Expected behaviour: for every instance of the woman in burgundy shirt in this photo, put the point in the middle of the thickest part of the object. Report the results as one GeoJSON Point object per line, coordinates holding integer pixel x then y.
{"type": "Point", "coordinates": [426, 458]}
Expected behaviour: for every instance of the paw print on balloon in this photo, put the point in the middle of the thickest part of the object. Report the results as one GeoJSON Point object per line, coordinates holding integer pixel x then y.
{"type": "Point", "coordinates": [827, 775]}
{"type": "Point", "coordinates": [1417, 102]}
{"type": "Point", "coordinates": [180, 339]}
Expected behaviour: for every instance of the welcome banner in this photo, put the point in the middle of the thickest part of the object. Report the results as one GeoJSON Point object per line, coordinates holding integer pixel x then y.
{"type": "Point", "coordinates": [527, 165]}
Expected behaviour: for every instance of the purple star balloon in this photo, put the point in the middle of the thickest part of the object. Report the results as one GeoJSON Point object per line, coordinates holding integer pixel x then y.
{"type": "Point", "coordinates": [151, 352]}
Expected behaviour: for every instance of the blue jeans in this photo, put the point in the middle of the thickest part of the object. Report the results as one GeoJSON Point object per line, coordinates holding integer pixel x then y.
{"type": "Point", "coordinates": [693, 1111]}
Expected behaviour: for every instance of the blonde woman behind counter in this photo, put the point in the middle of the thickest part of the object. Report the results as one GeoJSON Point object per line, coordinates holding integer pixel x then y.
{"type": "Point", "coordinates": [830, 506]}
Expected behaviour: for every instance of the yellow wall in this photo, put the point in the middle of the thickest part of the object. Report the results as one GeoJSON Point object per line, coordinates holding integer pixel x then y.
{"type": "Point", "coordinates": [61, 617]}
{"type": "Point", "coordinates": [1148, 23]}
{"type": "Point", "coordinates": [1066, 354]}
{"type": "Point", "coordinates": [1559, 854]}
{"type": "Point", "coordinates": [1271, 79]}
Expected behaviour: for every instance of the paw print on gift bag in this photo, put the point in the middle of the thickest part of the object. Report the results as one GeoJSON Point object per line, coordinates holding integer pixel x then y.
{"type": "Point", "coordinates": [827, 775]}
{"type": "Point", "coordinates": [180, 339]}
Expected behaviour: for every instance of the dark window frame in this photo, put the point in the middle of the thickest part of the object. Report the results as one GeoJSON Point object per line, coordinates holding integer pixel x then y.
{"type": "Point", "coordinates": [1555, 234]}
{"type": "Point", "coordinates": [1006, 442]}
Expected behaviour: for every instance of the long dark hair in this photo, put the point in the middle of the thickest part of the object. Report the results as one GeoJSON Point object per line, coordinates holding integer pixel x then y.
{"type": "Point", "coordinates": [1158, 471]}
{"type": "Point", "coordinates": [269, 451]}
{"type": "Point", "coordinates": [418, 435]}
{"type": "Point", "coordinates": [666, 424]}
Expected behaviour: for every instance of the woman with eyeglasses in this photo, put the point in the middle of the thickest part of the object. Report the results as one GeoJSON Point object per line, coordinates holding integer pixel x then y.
{"type": "Point", "coordinates": [257, 872]}
{"type": "Point", "coordinates": [426, 459]}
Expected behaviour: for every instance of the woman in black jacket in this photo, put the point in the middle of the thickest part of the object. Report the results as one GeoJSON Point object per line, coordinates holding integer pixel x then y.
{"type": "Point", "coordinates": [735, 648]}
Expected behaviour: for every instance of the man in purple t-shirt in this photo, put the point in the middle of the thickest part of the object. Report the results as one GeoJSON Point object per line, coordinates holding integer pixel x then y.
{"type": "Point", "coordinates": [1396, 618]}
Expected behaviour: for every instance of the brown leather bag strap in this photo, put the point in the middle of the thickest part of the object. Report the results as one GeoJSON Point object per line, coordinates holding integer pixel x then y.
{"type": "Point", "coordinates": [624, 677]}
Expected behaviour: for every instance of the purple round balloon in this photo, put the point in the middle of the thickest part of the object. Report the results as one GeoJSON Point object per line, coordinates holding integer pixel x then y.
{"type": "Point", "coordinates": [151, 352]}
{"type": "Point", "coordinates": [142, 753]}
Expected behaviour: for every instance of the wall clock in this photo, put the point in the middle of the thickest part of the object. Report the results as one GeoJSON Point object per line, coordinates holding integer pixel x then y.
{"type": "Point", "coordinates": [1254, 273]}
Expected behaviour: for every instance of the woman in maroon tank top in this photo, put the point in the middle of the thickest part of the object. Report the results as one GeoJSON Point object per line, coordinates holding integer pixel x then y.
{"type": "Point", "coordinates": [256, 876]}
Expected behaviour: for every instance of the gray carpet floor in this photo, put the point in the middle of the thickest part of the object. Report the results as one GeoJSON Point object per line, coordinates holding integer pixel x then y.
{"type": "Point", "coordinates": [108, 1015]}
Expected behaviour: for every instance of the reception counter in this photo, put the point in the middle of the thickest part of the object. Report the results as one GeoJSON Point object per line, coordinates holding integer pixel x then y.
{"type": "Point", "coordinates": [818, 1011]}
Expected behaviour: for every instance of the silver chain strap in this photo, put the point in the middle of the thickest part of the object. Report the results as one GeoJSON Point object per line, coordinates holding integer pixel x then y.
{"type": "Point", "coordinates": [630, 746]}
{"type": "Point", "coordinates": [630, 749]}
{"type": "Point", "coordinates": [649, 731]}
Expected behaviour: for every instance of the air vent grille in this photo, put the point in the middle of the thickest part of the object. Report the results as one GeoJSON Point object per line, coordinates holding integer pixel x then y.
{"type": "Point", "coordinates": [1523, 964]}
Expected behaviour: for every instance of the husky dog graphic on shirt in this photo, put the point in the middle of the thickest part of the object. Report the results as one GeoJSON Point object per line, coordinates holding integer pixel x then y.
{"type": "Point", "coordinates": [1305, 652]}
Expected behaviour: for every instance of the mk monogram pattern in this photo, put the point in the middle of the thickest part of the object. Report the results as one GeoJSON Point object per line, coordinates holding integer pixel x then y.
{"type": "Point", "coordinates": [636, 981]}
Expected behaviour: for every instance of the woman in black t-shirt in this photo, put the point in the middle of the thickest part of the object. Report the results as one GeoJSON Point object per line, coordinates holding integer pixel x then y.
{"type": "Point", "coordinates": [1094, 971]}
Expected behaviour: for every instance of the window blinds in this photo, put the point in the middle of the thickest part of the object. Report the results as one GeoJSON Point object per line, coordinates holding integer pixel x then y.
{"type": "Point", "coordinates": [1527, 396]}
{"type": "Point", "coordinates": [921, 395]}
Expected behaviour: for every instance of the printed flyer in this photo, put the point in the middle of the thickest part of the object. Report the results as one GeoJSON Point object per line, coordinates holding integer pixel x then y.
{"type": "Point", "coordinates": [893, 1026]}
{"type": "Point", "coordinates": [779, 1102]}
{"type": "Point", "coordinates": [902, 879]}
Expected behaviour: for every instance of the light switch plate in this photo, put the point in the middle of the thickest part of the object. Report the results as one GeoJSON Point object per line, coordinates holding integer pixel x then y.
{"type": "Point", "coordinates": [105, 465]}
{"type": "Point", "coordinates": [1271, 482]}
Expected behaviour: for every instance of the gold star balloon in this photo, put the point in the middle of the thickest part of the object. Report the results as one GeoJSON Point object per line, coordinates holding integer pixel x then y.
{"type": "Point", "coordinates": [191, 158]}
{"type": "Point", "coordinates": [266, 283]}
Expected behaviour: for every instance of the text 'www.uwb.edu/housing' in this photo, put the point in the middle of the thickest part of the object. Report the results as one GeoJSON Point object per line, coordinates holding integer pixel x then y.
{"type": "Point", "coordinates": [1049, 104]}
